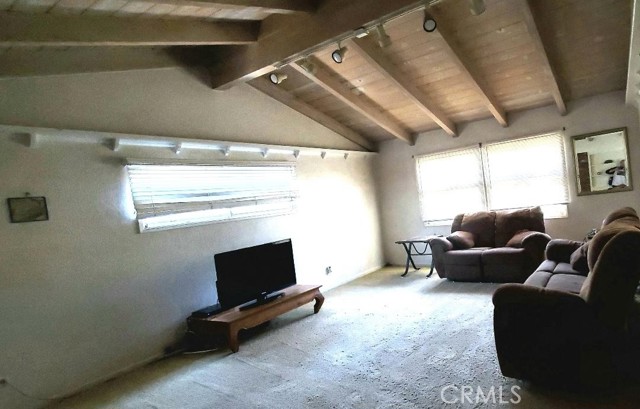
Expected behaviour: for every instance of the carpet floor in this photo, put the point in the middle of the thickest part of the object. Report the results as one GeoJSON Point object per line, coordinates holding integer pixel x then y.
{"type": "Point", "coordinates": [381, 341]}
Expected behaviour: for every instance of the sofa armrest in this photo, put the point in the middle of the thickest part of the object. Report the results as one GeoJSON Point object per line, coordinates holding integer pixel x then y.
{"type": "Point", "coordinates": [559, 250]}
{"type": "Point", "coordinates": [439, 246]}
{"type": "Point", "coordinates": [540, 333]}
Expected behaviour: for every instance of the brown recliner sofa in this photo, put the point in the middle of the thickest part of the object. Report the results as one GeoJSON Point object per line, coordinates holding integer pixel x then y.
{"type": "Point", "coordinates": [496, 246]}
{"type": "Point", "coordinates": [575, 321]}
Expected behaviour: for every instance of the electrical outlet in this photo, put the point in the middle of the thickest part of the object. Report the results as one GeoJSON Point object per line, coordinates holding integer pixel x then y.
{"type": "Point", "coordinates": [327, 270]}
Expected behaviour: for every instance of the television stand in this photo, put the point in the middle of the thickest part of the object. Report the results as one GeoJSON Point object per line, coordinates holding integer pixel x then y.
{"type": "Point", "coordinates": [230, 322]}
{"type": "Point", "coordinates": [262, 301]}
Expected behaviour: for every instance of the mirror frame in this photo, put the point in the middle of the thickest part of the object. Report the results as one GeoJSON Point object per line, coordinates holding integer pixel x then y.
{"type": "Point", "coordinates": [575, 138]}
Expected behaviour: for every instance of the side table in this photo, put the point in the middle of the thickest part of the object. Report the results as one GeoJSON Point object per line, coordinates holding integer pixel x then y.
{"type": "Point", "coordinates": [410, 247]}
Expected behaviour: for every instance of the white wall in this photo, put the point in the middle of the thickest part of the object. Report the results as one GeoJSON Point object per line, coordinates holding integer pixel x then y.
{"type": "Point", "coordinates": [396, 175]}
{"type": "Point", "coordinates": [163, 102]}
{"type": "Point", "coordinates": [84, 295]}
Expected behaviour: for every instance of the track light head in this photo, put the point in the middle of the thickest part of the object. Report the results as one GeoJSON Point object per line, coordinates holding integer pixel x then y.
{"type": "Point", "coordinates": [429, 24]}
{"type": "Point", "coordinates": [477, 7]}
{"type": "Point", "coordinates": [277, 77]}
{"type": "Point", "coordinates": [338, 55]}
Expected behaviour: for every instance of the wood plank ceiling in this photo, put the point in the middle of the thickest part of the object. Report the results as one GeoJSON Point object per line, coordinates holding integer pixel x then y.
{"type": "Point", "coordinates": [395, 82]}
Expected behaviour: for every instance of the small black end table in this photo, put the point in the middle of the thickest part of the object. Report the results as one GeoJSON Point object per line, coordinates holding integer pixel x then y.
{"type": "Point", "coordinates": [410, 247]}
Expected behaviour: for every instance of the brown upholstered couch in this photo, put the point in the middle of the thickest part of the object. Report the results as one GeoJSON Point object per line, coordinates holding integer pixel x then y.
{"type": "Point", "coordinates": [497, 246]}
{"type": "Point", "coordinates": [574, 322]}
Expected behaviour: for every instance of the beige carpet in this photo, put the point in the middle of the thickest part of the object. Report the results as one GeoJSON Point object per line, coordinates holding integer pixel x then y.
{"type": "Point", "coordinates": [382, 341]}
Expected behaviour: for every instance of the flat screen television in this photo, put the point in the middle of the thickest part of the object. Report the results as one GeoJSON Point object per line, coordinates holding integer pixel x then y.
{"type": "Point", "coordinates": [254, 274]}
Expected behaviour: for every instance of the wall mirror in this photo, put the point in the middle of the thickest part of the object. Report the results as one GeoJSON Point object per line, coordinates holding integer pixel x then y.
{"type": "Point", "coordinates": [602, 162]}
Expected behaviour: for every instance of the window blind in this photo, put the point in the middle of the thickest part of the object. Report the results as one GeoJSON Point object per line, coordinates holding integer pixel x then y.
{"type": "Point", "coordinates": [525, 172]}
{"type": "Point", "coordinates": [450, 183]}
{"type": "Point", "coordinates": [177, 195]}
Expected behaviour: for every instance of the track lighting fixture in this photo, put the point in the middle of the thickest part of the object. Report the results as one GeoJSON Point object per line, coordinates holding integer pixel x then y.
{"type": "Point", "coordinates": [277, 77]}
{"type": "Point", "coordinates": [338, 55]}
{"type": "Point", "coordinates": [477, 7]}
{"type": "Point", "coordinates": [383, 38]}
{"type": "Point", "coordinates": [429, 24]}
{"type": "Point", "coordinates": [308, 66]}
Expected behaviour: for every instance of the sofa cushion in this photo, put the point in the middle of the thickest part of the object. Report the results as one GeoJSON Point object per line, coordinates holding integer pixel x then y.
{"type": "Point", "coordinates": [467, 257]}
{"type": "Point", "coordinates": [539, 278]}
{"type": "Point", "coordinates": [508, 222]}
{"type": "Point", "coordinates": [619, 214]}
{"type": "Point", "coordinates": [464, 265]}
{"type": "Point", "coordinates": [570, 283]}
{"type": "Point", "coordinates": [516, 240]}
{"type": "Point", "coordinates": [597, 244]}
{"type": "Point", "coordinates": [503, 256]}
{"type": "Point", "coordinates": [578, 259]}
{"type": "Point", "coordinates": [614, 262]}
{"type": "Point", "coordinates": [566, 268]}
{"type": "Point", "coordinates": [482, 225]}
{"type": "Point", "coordinates": [461, 239]}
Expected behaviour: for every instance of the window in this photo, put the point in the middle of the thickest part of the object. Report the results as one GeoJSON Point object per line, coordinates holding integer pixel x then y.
{"type": "Point", "coordinates": [450, 183]}
{"type": "Point", "coordinates": [504, 175]}
{"type": "Point", "coordinates": [173, 195]}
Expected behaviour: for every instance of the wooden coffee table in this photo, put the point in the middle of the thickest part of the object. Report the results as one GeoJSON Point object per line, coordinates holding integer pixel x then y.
{"type": "Point", "coordinates": [230, 322]}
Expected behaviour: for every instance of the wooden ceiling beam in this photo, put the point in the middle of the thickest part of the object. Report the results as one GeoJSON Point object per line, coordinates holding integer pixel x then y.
{"type": "Point", "coordinates": [270, 6]}
{"type": "Point", "coordinates": [375, 57]}
{"type": "Point", "coordinates": [323, 77]}
{"type": "Point", "coordinates": [25, 62]}
{"type": "Point", "coordinates": [274, 91]}
{"type": "Point", "coordinates": [459, 57]}
{"type": "Point", "coordinates": [532, 28]}
{"type": "Point", "coordinates": [284, 39]}
{"type": "Point", "coordinates": [66, 30]}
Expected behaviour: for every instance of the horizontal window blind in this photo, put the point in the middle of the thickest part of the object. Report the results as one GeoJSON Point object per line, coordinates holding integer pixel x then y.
{"type": "Point", "coordinates": [177, 195]}
{"type": "Point", "coordinates": [526, 172]}
{"type": "Point", "coordinates": [505, 175]}
{"type": "Point", "coordinates": [450, 183]}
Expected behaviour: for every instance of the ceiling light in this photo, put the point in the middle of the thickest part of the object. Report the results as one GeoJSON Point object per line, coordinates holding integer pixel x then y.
{"type": "Point", "coordinates": [338, 55]}
{"type": "Point", "coordinates": [383, 38]}
{"type": "Point", "coordinates": [477, 7]}
{"type": "Point", "coordinates": [277, 77]}
{"type": "Point", "coordinates": [429, 24]}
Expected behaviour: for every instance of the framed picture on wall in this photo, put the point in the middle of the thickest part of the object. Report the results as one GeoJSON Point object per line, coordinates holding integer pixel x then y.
{"type": "Point", "coordinates": [28, 209]}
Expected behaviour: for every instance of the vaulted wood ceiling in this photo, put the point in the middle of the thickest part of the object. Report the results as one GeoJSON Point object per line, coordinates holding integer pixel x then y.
{"type": "Point", "coordinates": [516, 55]}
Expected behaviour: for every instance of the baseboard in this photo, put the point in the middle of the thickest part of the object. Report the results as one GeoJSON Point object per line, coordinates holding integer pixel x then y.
{"type": "Point", "coordinates": [111, 376]}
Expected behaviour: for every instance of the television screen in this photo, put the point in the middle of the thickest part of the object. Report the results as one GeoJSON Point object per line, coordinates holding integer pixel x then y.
{"type": "Point", "coordinates": [253, 273]}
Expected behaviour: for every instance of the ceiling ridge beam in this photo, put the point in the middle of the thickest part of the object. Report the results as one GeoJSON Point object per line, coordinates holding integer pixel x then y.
{"type": "Point", "coordinates": [534, 32]}
{"type": "Point", "coordinates": [323, 77]}
{"type": "Point", "coordinates": [66, 30]}
{"type": "Point", "coordinates": [268, 88]}
{"type": "Point", "coordinates": [285, 38]}
{"type": "Point", "coordinates": [471, 73]}
{"type": "Point", "coordinates": [374, 56]}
